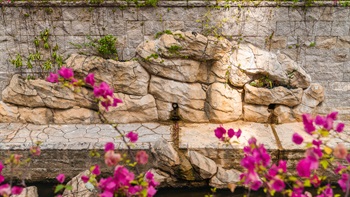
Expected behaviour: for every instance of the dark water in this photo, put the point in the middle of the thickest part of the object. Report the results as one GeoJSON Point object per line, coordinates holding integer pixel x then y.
{"type": "Point", "coordinates": [47, 190]}
{"type": "Point", "coordinates": [201, 192]}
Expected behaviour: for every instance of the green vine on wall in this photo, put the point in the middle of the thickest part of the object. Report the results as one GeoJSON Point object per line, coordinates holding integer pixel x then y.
{"type": "Point", "coordinates": [36, 62]}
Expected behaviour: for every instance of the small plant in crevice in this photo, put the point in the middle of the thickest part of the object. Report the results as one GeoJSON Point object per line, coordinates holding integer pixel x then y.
{"type": "Point", "coordinates": [104, 47]}
{"type": "Point", "coordinates": [158, 34]}
{"type": "Point", "coordinates": [174, 49]}
{"type": "Point", "coordinates": [265, 82]}
{"type": "Point", "coordinates": [45, 57]}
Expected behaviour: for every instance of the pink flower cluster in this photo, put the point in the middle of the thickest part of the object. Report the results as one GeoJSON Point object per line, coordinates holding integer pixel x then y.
{"type": "Point", "coordinates": [327, 123]}
{"type": "Point", "coordinates": [221, 134]}
{"type": "Point", "coordinates": [103, 91]}
{"type": "Point", "coordinates": [123, 182]}
{"type": "Point", "coordinates": [6, 189]}
{"type": "Point", "coordinates": [257, 163]}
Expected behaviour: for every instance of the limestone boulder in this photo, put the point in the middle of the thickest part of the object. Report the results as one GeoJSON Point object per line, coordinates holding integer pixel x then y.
{"type": "Point", "coordinates": [133, 109]}
{"type": "Point", "coordinates": [224, 103]}
{"type": "Point", "coordinates": [204, 166]}
{"type": "Point", "coordinates": [223, 177]}
{"type": "Point", "coordinates": [76, 116]}
{"type": "Point", "coordinates": [280, 68]}
{"type": "Point", "coordinates": [301, 109]}
{"type": "Point", "coordinates": [79, 188]}
{"type": "Point", "coordinates": [313, 95]}
{"type": "Point", "coordinates": [283, 114]}
{"type": "Point", "coordinates": [181, 69]}
{"type": "Point", "coordinates": [161, 177]}
{"type": "Point", "coordinates": [166, 156]}
{"type": "Point", "coordinates": [126, 77]}
{"type": "Point", "coordinates": [192, 96]}
{"type": "Point", "coordinates": [192, 45]}
{"type": "Point", "coordinates": [8, 112]}
{"type": "Point", "coordinates": [40, 93]}
{"type": "Point", "coordinates": [277, 95]}
{"type": "Point", "coordinates": [186, 170]}
{"type": "Point", "coordinates": [31, 191]}
{"type": "Point", "coordinates": [182, 56]}
{"type": "Point", "coordinates": [256, 113]}
{"type": "Point", "coordinates": [38, 116]}
{"type": "Point", "coordinates": [186, 114]}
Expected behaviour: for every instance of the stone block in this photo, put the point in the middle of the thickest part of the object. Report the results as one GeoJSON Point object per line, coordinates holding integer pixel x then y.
{"type": "Point", "coordinates": [74, 13]}
{"type": "Point", "coordinates": [135, 33]}
{"type": "Point", "coordinates": [285, 28]}
{"type": "Point", "coordinates": [153, 27]}
{"type": "Point", "coordinates": [174, 25]}
{"type": "Point", "coordinates": [323, 28]}
{"type": "Point", "coordinates": [256, 113]}
{"type": "Point", "coordinates": [340, 28]}
{"type": "Point", "coordinates": [325, 42]}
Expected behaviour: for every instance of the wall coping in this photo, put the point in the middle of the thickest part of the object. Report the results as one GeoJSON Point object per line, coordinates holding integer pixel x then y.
{"type": "Point", "coordinates": [173, 3]}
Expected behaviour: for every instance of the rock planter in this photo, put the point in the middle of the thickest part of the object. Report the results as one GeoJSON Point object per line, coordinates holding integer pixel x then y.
{"type": "Point", "coordinates": [201, 74]}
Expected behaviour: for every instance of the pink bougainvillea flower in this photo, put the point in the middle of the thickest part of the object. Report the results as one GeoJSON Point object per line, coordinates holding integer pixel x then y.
{"type": "Point", "coordinates": [328, 124]}
{"type": "Point", "coordinates": [297, 139]}
{"type": "Point", "coordinates": [348, 158]}
{"type": "Point", "coordinates": [5, 190]}
{"type": "Point", "coordinates": [141, 157]}
{"type": "Point", "coordinates": [109, 146]}
{"type": "Point", "coordinates": [319, 120]}
{"type": "Point", "coordinates": [328, 191]}
{"type": "Point", "coordinates": [343, 181]}
{"type": "Point", "coordinates": [60, 178]}
{"type": "Point", "coordinates": [103, 90]}
{"type": "Point", "coordinates": [333, 115]}
{"type": "Point", "coordinates": [340, 151]}
{"type": "Point", "coordinates": [53, 78]}
{"type": "Point", "coordinates": [278, 185]}
{"type": "Point", "coordinates": [90, 79]}
{"type": "Point", "coordinates": [340, 127]}
{"type": "Point", "coordinates": [112, 158]}
{"type": "Point", "coordinates": [238, 133]}
{"type": "Point", "coordinates": [132, 136]}
{"type": "Point", "coordinates": [220, 132]}
{"type": "Point", "coordinates": [123, 176]}
{"type": "Point", "coordinates": [17, 159]}
{"type": "Point", "coordinates": [149, 175]}
{"type": "Point", "coordinates": [303, 168]}
{"type": "Point", "coordinates": [256, 185]}
{"type": "Point", "coordinates": [2, 178]}
{"type": "Point", "coordinates": [116, 101]}
{"type": "Point", "coordinates": [35, 150]}
{"type": "Point", "coordinates": [135, 189]}
{"type": "Point", "coordinates": [95, 170]}
{"type": "Point", "coordinates": [16, 190]}
{"type": "Point", "coordinates": [308, 123]}
{"type": "Point", "coordinates": [317, 143]}
{"type": "Point", "coordinates": [282, 166]}
{"type": "Point", "coordinates": [231, 133]}
{"type": "Point", "coordinates": [85, 179]}
{"type": "Point", "coordinates": [151, 191]}
{"type": "Point", "coordinates": [315, 181]}
{"type": "Point", "coordinates": [66, 73]}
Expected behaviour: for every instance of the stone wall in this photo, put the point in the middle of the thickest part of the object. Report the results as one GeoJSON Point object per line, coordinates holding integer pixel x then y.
{"type": "Point", "coordinates": [317, 38]}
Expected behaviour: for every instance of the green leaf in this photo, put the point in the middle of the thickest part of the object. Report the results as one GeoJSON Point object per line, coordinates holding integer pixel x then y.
{"type": "Point", "coordinates": [324, 164]}
{"type": "Point", "coordinates": [337, 195]}
{"type": "Point", "coordinates": [69, 187]}
{"type": "Point", "coordinates": [307, 183]}
{"type": "Point", "coordinates": [59, 188]}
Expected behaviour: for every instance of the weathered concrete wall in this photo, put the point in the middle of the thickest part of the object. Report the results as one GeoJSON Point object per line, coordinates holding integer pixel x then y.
{"type": "Point", "coordinates": [316, 37]}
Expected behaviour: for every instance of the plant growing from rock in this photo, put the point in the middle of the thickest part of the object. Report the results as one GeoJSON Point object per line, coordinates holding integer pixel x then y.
{"type": "Point", "coordinates": [104, 47]}
{"type": "Point", "coordinates": [38, 62]}
{"type": "Point", "coordinates": [260, 172]}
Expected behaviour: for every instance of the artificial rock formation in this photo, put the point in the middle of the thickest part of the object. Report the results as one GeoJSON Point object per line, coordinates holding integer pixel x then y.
{"type": "Point", "coordinates": [210, 80]}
